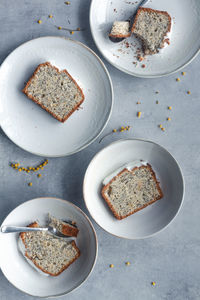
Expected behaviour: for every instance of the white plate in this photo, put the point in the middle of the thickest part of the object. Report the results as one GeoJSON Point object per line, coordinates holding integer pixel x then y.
{"type": "Point", "coordinates": [184, 39]}
{"type": "Point", "coordinates": [149, 220]}
{"type": "Point", "coordinates": [27, 279]}
{"type": "Point", "coordinates": [32, 128]}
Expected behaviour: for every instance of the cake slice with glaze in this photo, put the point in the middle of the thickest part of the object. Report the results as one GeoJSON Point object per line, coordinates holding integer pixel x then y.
{"type": "Point", "coordinates": [131, 190]}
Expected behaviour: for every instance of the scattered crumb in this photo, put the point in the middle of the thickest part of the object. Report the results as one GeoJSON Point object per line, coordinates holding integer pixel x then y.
{"type": "Point", "coordinates": [160, 126]}
{"type": "Point", "coordinates": [168, 119]}
{"type": "Point", "coordinates": [138, 102]}
{"type": "Point", "coordinates": [116, 55]}
{"type": "Point", "coordinates": [67, 2]}
{"type": "Point", "coordinates": [153, 283]}
{"type": "Point", "coordinates": [59, 27]}
{"type": "Point", "coordinates": [127, 263]}
{"type": "Point", "coordinates": [143, 66]}
{"type": "Point", "coordinates": [127, 45]}
{"type": "Point", "coordinates": [157, 92]}
{"type": "Point", "coordinates": [188, 92]}
{"type": "Point", "coordinates": [50, 16]}
{"type": "Point", "coordinates": [167, 41]}
{"type": "Point", "coordinates": [163, 129]}
{"type": "Point", "coordinates": [169, 107]}
{"type": "Point", "coordinates": [177, 79]}
{"type": "Point", "coordinates": [30, 184]}
{"type": "Point", "coordinates": [139, 114]}
{"type": "Point", "coordinates": [183, 73]}
{"type": "Point", "coordinates": [111, 266]}
{"type": "Point", "coordinates": [39, 21]}
{"type": "Point", "coordinates": [140, 58]}
{"type": "Point", "coordinates": [157, 101]}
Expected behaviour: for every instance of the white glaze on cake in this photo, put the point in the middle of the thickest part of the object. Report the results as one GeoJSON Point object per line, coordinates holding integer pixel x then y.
{"type": "Point", "coordinates": [129, 166]}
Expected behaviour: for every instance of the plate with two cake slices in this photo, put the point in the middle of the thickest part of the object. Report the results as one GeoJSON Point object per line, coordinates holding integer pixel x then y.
{"type": "Point", "coordinates": [41, 264]}
{"type": "Point", "coordinates": [153, 40]}
{"type": "Point", "coordinates": [133, 188]}
{"type": "Point", "coordinates": [56, 96]}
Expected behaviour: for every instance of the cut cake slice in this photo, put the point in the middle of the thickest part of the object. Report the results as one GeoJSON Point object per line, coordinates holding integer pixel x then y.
{"type": "Point", "coordinates": [120, 29]}
{"type": "Point", "coordinates": [131, 191]}
{"type": "Point", "coordinates": [49, 254]}
{"type": "Point", "coordinates": [63, 227]}
{"type": "Point", "coordinates": [151, 26]}
{"type": "Point", "coordinates": [55, 91]}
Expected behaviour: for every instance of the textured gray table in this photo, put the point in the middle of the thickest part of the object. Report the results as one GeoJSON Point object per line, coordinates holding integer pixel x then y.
{"type": "Point", "coordinates": [172, 258]}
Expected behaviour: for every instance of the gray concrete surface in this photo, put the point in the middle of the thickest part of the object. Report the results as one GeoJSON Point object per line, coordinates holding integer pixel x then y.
{"type": "Point", "coordinates": [172, 258]}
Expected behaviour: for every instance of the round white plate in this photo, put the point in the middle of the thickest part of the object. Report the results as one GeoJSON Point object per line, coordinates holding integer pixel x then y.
{"type": "Point", "coordinates": [184, 37]}
{"type": "Point", "coordinates": [25, 277]}
{"type": "Point", "coordinates": [149, 220]}
{"type": "Point", "coordinates": [32, 128]}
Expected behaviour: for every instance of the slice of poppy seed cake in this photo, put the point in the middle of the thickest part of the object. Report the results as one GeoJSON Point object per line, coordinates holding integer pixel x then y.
{"type": "Point", "coordinates": [131, 191]}
{"type": "Point", "coordinates": [151, 26]}
{"type": "Point", "coordinates": [63, 227]}
{"type": "Point", "coordinates": [120, 29]}
{"type": "Point", "coordinates": [55, 91]}
{"type": "Point", "coordinates": [48, 253]}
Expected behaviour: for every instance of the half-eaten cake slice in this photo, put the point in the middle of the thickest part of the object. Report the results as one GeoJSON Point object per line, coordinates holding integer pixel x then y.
{"type": "Point", "coordinates": [151, 26]}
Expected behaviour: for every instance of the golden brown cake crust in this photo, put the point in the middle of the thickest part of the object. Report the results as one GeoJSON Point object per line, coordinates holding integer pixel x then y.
{"type": "Point", "coordinates": [150, 10]}
{"type": "Point", "coordinates": [25, 91]}
{"type": "Point", "coordinates": [136, 210]}
{"type": "Point", "coordinates": [69, 230]}
{"type": "Point", "coordinates": [120, 35]}
{"type": "Point", "coordinates": [35, 224]}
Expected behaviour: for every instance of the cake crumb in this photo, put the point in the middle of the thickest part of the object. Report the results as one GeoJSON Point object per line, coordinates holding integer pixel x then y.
{"type": "Point", "coordinates": [167, 41]}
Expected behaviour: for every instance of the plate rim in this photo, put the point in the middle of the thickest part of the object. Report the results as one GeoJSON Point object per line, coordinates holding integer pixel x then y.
{"type": "Point", "coordinates": [127, 71]}
{"type": "Point", "coordinates": [111, 90]}
{"type": "Point", "coordinates": [96, 246]}
{"type": "Point", "coordinates": [140, 140]}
